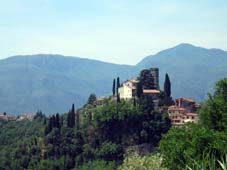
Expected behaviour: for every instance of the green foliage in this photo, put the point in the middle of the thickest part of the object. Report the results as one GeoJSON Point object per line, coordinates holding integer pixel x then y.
{"type": "Point", "coordinates": [183, 146]}
{"type": "Point", "coordinates": [214, 113]}
{"type": "Point", "coordinates": [91, 99]}
{"type": "Point", "coordinates": [20, 144]}
{"type": "Point", "coordinates": [97, 138]}
{"type": "Point", "coordinates": [71, 117]}
{"type": "Point", "coordinates": [110, 151]}
{"type": "Point", "coordinates": [200, 146]}
{"type": "Point", "coordinates": [98, 165]}
{"type": "Point", "coordinates": [148, 162]}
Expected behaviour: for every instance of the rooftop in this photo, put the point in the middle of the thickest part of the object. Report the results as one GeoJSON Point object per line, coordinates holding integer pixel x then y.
{"type": "Point", "coordinates": [151, 91]}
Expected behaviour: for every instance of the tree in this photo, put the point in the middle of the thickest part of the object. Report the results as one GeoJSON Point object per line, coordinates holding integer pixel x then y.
{"type": "Point", "coordinates": [58, 124]}
{"type": "Point", "coordinates": [182, 147]}
{"type": "Point", "coordinates": [77, 120]}
{"type": "Point", "coordinates": [139, 89]}
{"type": "Point", "coordinates": [53, 121]}
{"type": "Point", "coordinates": [71, 117]}
{"type": "Point", "coordinates": [167, 86]}
{"type": "Point", "coordinates": [133, 161]}
{"type": "Point", "coordinates": [213, 114]}
{"type": "Point", "coordinates": [118, 98]}
{"type": "Point", "coordinates": [118, 84]}
{"type": "Point", "coordinates": [49, 126]}
{"type": "Point", "coordinates": [114, 87]}
{"type": "Point", "coordinates": [91, 99]}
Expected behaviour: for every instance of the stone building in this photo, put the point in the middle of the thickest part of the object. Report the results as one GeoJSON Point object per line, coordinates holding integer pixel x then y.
{"type": "Point", "coordinates": [183, 112]}
{"type": "Point", "coordinates": [155, 74]}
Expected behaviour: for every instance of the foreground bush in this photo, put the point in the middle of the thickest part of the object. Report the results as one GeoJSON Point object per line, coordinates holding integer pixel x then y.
{"type": "Point", "coordinates": [98, 165]}
{"type": "Point", "coordinates": [136, 162]}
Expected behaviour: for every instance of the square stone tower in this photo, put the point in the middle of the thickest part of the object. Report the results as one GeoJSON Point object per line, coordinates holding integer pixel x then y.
{"type": "Point", "coordinates": [155, 75]}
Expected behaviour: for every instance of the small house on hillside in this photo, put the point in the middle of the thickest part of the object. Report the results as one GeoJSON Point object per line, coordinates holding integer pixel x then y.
{"type": "Point", "coordinates": [128, 89]}
{"type": "Point", "coordinates": [183, 112]}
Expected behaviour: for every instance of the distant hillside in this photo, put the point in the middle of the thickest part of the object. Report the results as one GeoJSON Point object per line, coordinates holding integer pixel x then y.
{"type": "Point", "coordinates": [193, 70]}
{"type": "Point", "coordinates": [52, 82]}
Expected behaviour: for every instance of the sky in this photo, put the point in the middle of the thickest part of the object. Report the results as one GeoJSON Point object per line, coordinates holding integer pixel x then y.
{"type": "Point", "coordinates": [118, 31]}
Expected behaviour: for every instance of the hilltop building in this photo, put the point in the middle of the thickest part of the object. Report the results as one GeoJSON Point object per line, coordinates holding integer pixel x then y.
{"type": "Point", "coordinates": [7, 117]}
{"type": "Point", "coordinates": [99, 101]}
{"type": "Point", "coordinates": [26, 116]}
{"type": "Point", "coordinates": [127, 90]}
{"type": "Point", "coordinates": [155, 74]}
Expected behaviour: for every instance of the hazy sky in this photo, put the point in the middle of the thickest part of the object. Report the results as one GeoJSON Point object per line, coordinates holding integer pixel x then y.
{"type": "Point", "coordinates": [119, 31]}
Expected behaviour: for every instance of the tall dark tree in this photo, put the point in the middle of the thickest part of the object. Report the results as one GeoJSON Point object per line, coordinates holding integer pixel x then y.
{"type": "Point", "coordinates": [114, 87]}
{"type": "Point", "coordinates": [118, 84]}
{"type": "Point", "coordinates": [118, 98]}
{"type": "Point", "coordinates": [167, 86]}
{"type": "Point", "coordinates": [139, 90]}
{"type": "Point", "coordinates": [62, 120]}
{"type": "Point", "coordinates": [71, 118]}
{"type": "Point", "coordinates": [53, 121]}
{"type": "Point", "coordinates": [91, 99]}
{"type": "Point", "coordinates": [77, 120]}
{"type": "Point", "coordinates": [49, 126]}
{"type": "Point", "coordinates": [58, 124]}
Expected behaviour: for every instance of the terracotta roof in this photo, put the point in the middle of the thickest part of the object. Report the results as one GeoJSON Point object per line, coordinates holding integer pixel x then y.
{"type": "Point", "coordinates": [185, 99]}
{"type": "Point", "coordinates": [131, 87]}
{"type": "Point", "coordinates": [100, 99]}
{"type": "Point", "coordinates": [191, 114]}
{"type": "Point", "coordinates": [176, 108]}
{"type": "Point", "coordinates": [133, 81]}
{"type": "Point", "coordinates": [151, 91]}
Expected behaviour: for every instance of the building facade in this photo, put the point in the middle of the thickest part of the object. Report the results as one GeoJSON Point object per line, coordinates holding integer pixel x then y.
{"type": "Point", "coordinates": [155, 74]}
{"type": "Point", "coordinates": [183, 112]}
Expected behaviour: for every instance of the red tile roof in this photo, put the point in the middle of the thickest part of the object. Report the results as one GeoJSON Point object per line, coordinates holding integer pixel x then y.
{"type": "Point", "coordinates": [151, 91]}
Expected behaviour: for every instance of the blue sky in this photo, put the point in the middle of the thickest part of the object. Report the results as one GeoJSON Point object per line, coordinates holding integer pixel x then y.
{"type": "Point", "coordinates": [119, 31]}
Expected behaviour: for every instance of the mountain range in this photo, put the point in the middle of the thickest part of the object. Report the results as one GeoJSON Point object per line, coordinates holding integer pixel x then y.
{"type": "Point", "coordinates": [51, 83]}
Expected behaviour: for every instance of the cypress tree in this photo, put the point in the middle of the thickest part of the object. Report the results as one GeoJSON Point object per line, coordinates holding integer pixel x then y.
{"type": "Point", "coordinates": [118, 98]}
{"type": "Point", "coordinates": [73, 116]}
{"type": "Point", "coordinates": [114, 87]}
{"type": "Point", "coordinates": [77, 120]}
{"type": "Point", "coordinates": [58, 125]}
{"type": "Point", "coordinates": [53, 121]}
{"type": "Point", "coordinates": [167, 86]}
{"type": "Point", "coordinates": [49, 127]}
{"type": "Point", "coordinates": [139, 89]}
{"type": "Point", "coordinates": [69, 117]}
{"type": "Point", "coordinates": [118, 84]}
{"type": "Point", "coordinates": [91, 99]}
{"type": "Point", "coordinates": [62, 120]}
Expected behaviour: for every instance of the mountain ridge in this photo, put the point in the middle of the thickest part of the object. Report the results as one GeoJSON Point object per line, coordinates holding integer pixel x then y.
{"type": "Point", "coordinates": [52, 83]}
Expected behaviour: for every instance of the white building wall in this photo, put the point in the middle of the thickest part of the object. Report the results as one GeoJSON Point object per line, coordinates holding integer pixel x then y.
{"type": "Point", "coordinates": [125, 92]}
